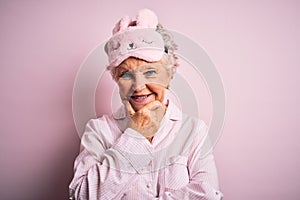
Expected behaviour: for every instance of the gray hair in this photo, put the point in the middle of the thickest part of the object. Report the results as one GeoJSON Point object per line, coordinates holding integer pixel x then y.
{"type": "Point", "coordinates": [170, 46]}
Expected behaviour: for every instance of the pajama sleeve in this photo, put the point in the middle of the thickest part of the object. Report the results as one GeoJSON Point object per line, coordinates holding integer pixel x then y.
{"type": "Point", "coordinates": [103, 171]}
{"type": "Point", "coordinates": [203, 179]}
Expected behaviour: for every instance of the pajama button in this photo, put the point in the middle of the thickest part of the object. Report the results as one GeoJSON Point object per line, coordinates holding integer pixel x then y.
{"type": "Point", "coordinates": [149, 185]}
{"type": "Point", "coordinates": [124, 196]}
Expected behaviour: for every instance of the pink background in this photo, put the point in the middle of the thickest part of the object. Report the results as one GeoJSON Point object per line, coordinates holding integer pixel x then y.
{"type": "Point", "coordinates": [255, 46]}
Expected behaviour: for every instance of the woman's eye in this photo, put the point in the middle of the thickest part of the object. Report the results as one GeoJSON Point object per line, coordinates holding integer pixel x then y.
{"type": "Point", "coordinates": [126, 75]}
{"type": "Point", "coordinates": [150, 73]}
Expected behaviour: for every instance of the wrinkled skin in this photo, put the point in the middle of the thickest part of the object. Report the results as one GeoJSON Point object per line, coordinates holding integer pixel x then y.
{"type": "Point", "coordinates": [142, 87]}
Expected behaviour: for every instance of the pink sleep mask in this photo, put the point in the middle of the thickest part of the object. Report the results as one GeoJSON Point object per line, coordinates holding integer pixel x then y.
{"type": "Point", "coordinates": [135, 38]}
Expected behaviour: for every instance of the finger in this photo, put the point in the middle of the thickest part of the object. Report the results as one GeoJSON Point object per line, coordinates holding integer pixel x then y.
{"type": "Point", "coordinates": [141, 118]}
{"type": "Point", "coordinates": [146, 120]}
{"type": "Point", "coordinates": [154, 110]}
{"type": "Point", "coordinates": [158, 89]}
{"type": "Point", "coordinates": [129, 108]}
{"type": "Point", "coordinates": [153, 105]}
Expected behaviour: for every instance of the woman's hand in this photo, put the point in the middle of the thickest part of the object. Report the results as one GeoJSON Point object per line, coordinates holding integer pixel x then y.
{"type": "Point", "coordinates": [147, 120]}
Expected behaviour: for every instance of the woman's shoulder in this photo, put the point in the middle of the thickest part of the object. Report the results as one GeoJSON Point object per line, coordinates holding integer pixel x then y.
{"type": "Point", "coordinates": [195, 123]}
{"type": "Point", "coordinates": [101, 122]}
{"type": "Point", "coordinates": [192, 129]}
{"type": "Point", "coordinates": [103, 127]}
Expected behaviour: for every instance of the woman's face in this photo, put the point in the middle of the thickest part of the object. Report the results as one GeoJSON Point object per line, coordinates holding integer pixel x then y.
{"type": "Point", "coordinates": [141, 82]}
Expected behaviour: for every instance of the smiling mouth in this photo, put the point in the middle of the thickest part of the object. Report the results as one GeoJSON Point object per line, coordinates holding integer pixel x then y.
{"type": "Point", "coordinates": [140, 98]}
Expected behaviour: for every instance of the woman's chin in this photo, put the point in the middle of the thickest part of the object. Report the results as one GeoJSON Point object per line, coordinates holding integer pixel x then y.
{"type": "Point", "coordinates": [138, 106]}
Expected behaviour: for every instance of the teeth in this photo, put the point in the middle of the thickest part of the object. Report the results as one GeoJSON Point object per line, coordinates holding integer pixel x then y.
{"type": "Point", "coordinates": [140, 97]}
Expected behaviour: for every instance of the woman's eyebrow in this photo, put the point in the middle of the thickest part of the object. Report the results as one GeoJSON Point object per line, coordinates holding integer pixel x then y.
{"type": "Point", "coordinates": [122, 69]}
{"type": "Point", "coordinates": [149, 67]}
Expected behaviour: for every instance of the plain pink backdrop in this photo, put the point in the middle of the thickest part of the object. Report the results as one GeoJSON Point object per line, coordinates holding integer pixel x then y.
{"type": "Point", "coordinates": [255, 46]}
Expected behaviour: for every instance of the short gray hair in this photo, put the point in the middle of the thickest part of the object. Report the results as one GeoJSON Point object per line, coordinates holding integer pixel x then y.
{"type": "Point", "coordinates": [170, 48]}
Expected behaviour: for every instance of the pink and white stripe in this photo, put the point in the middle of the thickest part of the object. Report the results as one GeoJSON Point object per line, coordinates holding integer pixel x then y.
{"type": "Point", "coordinates": [118, 163]}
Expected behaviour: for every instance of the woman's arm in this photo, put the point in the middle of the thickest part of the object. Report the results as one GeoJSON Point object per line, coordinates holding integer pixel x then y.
{"type": "Point", "coordinates": [203, 178]}
{"type": "Point", "coordinates": [96, 180]}
{"type": "Point", "coordinates": [103, 172]}
{"type": "Point", "coordinates": [203, 183]}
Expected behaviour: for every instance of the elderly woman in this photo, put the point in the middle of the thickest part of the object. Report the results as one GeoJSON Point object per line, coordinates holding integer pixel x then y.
{"type": "Point", "coordinates": [148, 149]}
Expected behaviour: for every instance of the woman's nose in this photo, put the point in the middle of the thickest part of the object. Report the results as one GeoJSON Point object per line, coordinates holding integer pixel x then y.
{"type": "Point", "coordinates": [139, 84]}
